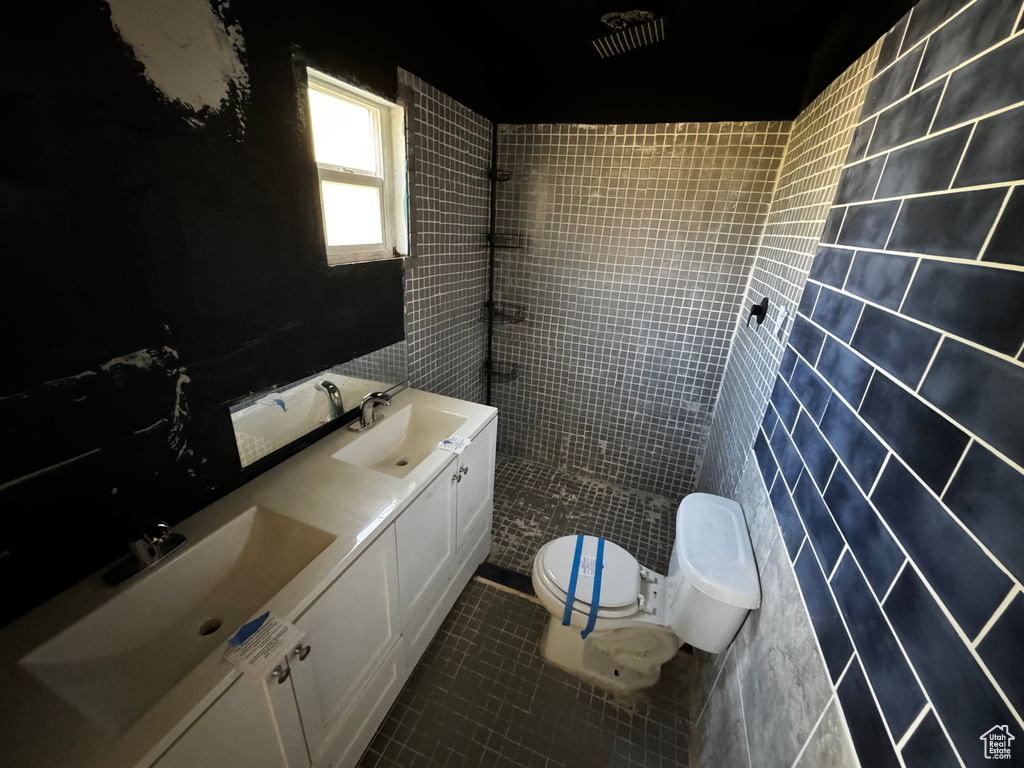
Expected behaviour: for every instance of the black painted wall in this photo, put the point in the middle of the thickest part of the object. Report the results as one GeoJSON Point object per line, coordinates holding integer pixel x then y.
{"type": "Point", "coordinates": [893, 445]}
{"type": "Point", "coordinates": [155, 272]}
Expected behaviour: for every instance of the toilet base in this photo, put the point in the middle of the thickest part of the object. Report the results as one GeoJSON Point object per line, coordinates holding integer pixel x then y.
{"type": "Point", "coordinates": [621, 660]}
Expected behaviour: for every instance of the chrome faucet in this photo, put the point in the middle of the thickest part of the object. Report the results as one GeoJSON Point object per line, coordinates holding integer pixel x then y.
{"type": "Point", "coordinates": [334, 394]}
{"type": "Point", "coordinates": [368, 416]}
{"type": "Point", "coordinates": [154, 543]}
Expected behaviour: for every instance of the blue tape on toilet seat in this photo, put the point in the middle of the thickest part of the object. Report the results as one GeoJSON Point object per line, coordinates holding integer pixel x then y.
{"type": "Point", "coordinates": [570, 597]}
{"type": "Point", "coordinates": [595, 601]}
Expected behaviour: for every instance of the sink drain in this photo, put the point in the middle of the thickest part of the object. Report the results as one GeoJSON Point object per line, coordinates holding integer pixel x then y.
{"type": "Point", "coordinates": [209, 627]}
{"type": "Point", "coordinates": [401, 463]}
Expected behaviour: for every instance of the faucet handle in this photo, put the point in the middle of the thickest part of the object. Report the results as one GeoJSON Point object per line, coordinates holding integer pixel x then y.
{"type": "Point", "coordinates": [154, 532]}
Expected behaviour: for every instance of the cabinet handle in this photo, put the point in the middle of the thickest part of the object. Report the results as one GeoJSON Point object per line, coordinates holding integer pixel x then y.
{"type": "Point", "coordinates": [302, 651]}
{"type": "Point", "coordinates": [457, 478]}
{"type": "Point", "coordinates": [282, 673]}
{"type": "Point", "coordinates": [464, 470]}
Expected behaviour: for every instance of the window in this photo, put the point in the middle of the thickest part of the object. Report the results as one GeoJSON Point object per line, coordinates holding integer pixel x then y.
{"type": "Point", "coordinates": [360, 161]}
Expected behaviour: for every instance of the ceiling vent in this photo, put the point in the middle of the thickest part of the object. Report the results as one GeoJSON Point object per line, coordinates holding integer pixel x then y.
{"type": "Point", "coordinates": [633, 29]}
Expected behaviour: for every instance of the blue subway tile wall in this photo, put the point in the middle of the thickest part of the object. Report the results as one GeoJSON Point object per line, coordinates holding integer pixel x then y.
{"type": "Point", "coordinates": [897, 469]}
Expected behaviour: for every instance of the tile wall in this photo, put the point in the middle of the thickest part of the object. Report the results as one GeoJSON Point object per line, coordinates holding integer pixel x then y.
{"type": "Point", "coordinates": [800, 204]}
{"type": "Point", "coordinates": [893, 446]}
{"type": "Point", "coordinates": [771, 692]}
{"type": "Point", "coordinates": [636, 243]}
{"type": "Point", "coordinates": [449, 150]}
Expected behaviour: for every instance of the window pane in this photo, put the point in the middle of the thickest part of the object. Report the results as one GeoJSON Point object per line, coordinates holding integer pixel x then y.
{"type": "Point", "coordinates": [343, 132]}
{"type": "Point", "coordinates": [351, 213]}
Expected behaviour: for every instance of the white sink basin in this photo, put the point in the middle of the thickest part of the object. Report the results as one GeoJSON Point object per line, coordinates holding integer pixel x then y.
{"type": "Point", "coordinates": [119, 660]}
{"type": "Point", "coordinates": [396, 445]}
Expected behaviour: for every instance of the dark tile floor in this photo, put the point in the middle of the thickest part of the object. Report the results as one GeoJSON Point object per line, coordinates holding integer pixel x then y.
{"type": "Point", "coordinates": [534, 504]}
{"type": "Point", "coordinates": [483, 696]}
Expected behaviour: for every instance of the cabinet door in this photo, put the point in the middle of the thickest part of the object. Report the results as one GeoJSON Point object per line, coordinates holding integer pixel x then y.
{"type": "Point", "coordinates": [350, 629]}
{"type": "Point", "coordinates": [240, 730]}
{"type": "Point", "coordinates": [426, 541]}
{"type": "Point", "coordinates": [476, 480]}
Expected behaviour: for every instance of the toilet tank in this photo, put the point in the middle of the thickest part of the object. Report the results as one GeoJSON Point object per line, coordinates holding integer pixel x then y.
{"type": "Point", "coordinates": [712, 580]}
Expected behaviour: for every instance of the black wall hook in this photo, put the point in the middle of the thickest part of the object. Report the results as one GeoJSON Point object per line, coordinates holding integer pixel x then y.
{"type": "Point", "coordinates": [760, 311]}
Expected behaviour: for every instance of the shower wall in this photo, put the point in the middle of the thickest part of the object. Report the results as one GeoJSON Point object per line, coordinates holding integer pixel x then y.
{"type": "Point", "coordinates": [449, 150]}
{"type": "Point", "coordinates": [630, 249]}
{"type": "Point", "coordinates": [807, 183]}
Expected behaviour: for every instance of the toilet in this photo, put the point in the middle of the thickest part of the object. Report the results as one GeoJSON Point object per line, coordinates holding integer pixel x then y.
{"type": "Point", "coordinates": [642, 617]}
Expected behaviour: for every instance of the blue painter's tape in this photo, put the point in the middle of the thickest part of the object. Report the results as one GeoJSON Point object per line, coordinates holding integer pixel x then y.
{"type": "Point", "coordinates": [595, 601]}
{"type": "Point", "coordinates": [571, 596]}
{"type": "Point", "coordinates": [247, 630]}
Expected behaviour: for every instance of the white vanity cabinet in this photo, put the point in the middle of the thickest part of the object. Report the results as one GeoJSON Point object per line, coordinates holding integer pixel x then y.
{"type": "Point", "coordinates": [364, 634]}
{"type": "Point", "coordinates": [351, 633]}
{"type": "Point", "coordinates": [251, 725]}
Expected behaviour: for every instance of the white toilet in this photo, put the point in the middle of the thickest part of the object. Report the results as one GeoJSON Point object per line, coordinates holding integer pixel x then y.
{"type": "Point", "coordinates": [642, 617]}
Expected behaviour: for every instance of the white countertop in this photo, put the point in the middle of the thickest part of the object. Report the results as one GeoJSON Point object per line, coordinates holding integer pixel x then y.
{"type": "Point", "coordinates": [355, 504]}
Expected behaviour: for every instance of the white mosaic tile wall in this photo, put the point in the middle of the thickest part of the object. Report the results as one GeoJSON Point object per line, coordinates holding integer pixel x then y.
{"type": "Point", "coordinates": [807, 183]}
{"type": "Point", "coordinates": [637, 242]}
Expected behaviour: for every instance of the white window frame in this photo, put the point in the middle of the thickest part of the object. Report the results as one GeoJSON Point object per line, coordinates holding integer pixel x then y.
{"type": "Point", "coordinates": [389, 178]}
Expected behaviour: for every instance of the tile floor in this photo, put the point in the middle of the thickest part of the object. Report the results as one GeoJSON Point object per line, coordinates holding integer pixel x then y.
{"type": "Point", "coordinates": [483, 696]}
{"type": "Point", "coordinates": [534, 503]}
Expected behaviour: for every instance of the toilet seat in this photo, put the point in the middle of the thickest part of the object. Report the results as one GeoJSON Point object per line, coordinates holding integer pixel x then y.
{"type": "Point", "coordinates": [620, 579]}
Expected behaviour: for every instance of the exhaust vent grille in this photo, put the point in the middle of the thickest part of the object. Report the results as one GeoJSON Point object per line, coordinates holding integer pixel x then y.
{"type": "Point", "coordinates": [630, 38]}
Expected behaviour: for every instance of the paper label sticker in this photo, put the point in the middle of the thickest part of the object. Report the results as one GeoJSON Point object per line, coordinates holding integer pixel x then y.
{"type": "Point", "coordinates": [454, 444]}
{"type": "Point", "coordinates": [261, 644]}
{"type": "Point", "coordinates": [588, 566]}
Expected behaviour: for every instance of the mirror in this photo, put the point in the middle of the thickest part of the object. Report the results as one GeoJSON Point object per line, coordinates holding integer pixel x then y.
{"type": "Point", "coordinates": [266, 421]}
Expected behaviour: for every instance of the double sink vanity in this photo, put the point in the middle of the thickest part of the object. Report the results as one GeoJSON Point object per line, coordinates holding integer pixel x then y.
{"type": "Point", "coordinates": [362, 540]}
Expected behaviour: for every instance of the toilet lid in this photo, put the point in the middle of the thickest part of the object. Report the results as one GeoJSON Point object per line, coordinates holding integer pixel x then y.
{"type": "Point", "coordinates": [620, 577]}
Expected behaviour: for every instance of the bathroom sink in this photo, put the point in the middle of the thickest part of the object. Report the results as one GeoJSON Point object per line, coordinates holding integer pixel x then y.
{"type": "Point", "coordinates": [114, 664]}
{"type": "Point", "coordinates": [397, 444]}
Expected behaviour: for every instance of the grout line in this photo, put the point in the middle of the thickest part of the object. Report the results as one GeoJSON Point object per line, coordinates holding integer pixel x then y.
{"type": "Point", "coordinates": [881, 173]}
{"type": "Point", "coordinates": [913, 83]}
{"type": "Point", "coordinates": [878, 477]}
{"type": "Point", "coordinates": [903, 37]}
{"type": "Point", "coordinates": [956, 468]}
{"type": "Point", "coordinates": [804, 539]}
{"type": "Point", "coordinates": [714, 685]}
{"type": "Point", "coordinates": [743, 715]}
{"type": "Point", "coordinates": [963, 154]}
{"type": "Point", "coordinates": [938, 106]}
{"type": "Point", "coordinates": [849, 663]}
{"type": "Point", "coordinates": [910, 282]}
{"type": "Point", "coordinates": [870, 139]}
{"type": "Point", "coordinates": [1020, 353]}
{"type": "Point", "coordinates": [896, 218]}
{"type": "Point", "coordinates": [999, 216]}
{"type": "Point", "coordinates": [894, 580]}
{"type": "Point", "coordinates": [842, 223]}
{"type": "Point", "coordinates": [1019, 14]}
{"type": "Point", "coordinates": [814, 730]}
{"type": "Point", "coordinates": [927, 368]}
{"type": "Point", "coordinates": [995, 616]}
{"type": "Point", "coordinates": [913, 727]}
{"type": "Point", "coordinates": [845, 549]}
{"type": "Point", "coordinates": [863, 397]}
